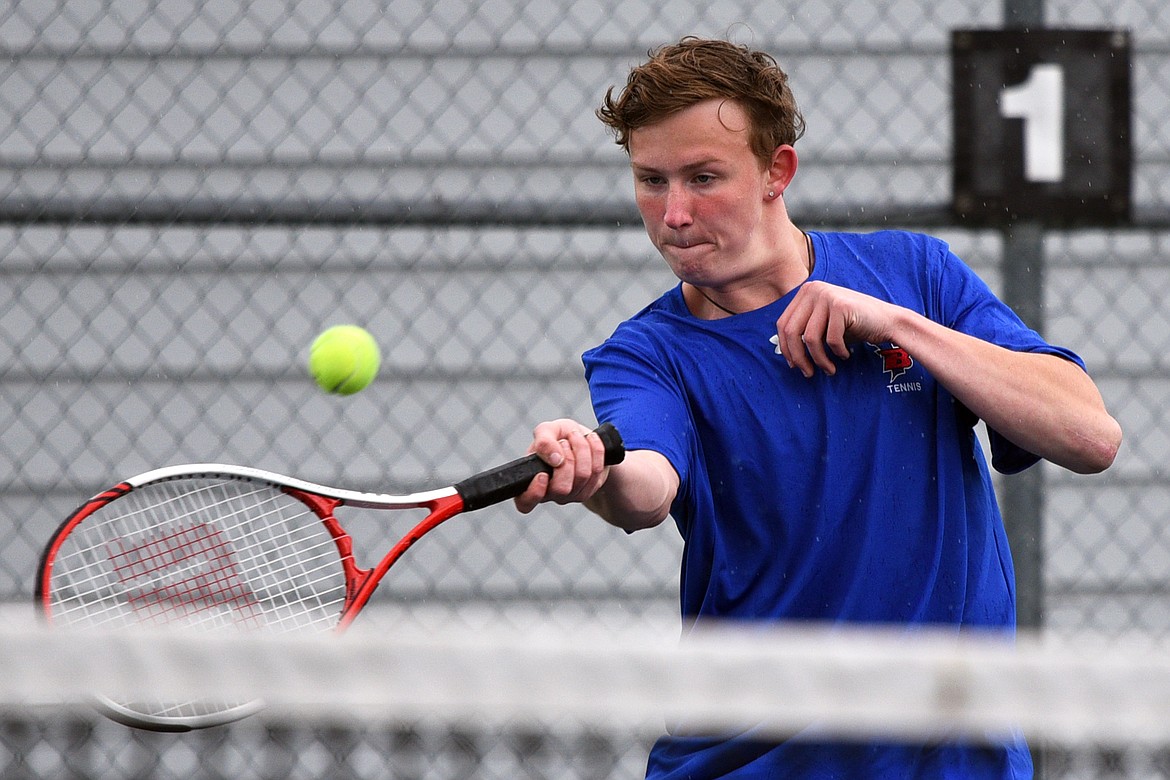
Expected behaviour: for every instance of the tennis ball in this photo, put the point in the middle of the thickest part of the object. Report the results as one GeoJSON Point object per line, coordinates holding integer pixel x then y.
{"type": "Point", "coordinates": [344, 359]}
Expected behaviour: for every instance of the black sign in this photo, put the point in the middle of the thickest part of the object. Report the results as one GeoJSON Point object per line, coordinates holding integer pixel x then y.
{"type": "Point", "coordinates": [1041, 126]}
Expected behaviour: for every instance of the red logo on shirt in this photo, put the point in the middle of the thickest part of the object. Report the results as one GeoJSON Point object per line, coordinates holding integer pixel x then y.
{"type": "Point", "coordinates": [895, 360]}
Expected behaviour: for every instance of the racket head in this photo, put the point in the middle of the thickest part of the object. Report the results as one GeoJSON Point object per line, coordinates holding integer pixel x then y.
{"type": "Point", "coordinates": [206, 548]}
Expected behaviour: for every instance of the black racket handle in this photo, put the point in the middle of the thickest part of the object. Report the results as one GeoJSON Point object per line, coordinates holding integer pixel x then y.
{"type": "Point", "coordinates": [511, 479]}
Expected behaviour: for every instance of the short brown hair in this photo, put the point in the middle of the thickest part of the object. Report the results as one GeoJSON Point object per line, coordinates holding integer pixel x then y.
{"type": "Point", "coordinates": [680, 75]}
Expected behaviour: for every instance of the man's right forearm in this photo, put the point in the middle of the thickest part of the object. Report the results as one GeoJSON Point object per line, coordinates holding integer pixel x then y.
{"type": "Point", "coordinates": [638, 492]}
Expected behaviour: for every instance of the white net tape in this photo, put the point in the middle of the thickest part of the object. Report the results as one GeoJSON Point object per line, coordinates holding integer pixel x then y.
{"type": "Point", "coordinates": [784, 680]}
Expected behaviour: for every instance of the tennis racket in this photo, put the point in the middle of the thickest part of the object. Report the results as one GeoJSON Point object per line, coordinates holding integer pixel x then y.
{"type": "Point", "coordinates": [229, 547]}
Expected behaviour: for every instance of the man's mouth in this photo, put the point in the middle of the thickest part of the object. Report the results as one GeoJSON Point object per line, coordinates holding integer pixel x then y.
{"type": "Point", "coordinates": [684, 243]}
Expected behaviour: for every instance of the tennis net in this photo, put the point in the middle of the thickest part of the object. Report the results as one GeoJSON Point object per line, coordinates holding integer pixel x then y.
{"type": "Point", "coordinates": [500, 698]}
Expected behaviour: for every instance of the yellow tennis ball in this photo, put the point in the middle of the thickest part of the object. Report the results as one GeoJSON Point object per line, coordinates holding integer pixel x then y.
{"type": "Point", "coordinates": [344, 359]}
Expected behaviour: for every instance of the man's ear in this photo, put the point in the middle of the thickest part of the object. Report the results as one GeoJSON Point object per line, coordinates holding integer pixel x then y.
{"type": "Point", "coordinates": [781, 169]}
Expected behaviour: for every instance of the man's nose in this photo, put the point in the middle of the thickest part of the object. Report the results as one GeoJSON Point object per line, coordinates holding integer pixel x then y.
{"type": "Point", "coordinates": [678, 208]}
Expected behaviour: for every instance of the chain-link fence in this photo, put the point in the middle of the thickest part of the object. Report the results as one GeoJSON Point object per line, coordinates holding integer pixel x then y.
{"type": "Point", "coordinates": [189, 192]}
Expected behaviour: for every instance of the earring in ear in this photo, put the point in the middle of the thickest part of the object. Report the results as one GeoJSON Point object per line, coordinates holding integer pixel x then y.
{"type": "Point", "coordinates": [771, 194]}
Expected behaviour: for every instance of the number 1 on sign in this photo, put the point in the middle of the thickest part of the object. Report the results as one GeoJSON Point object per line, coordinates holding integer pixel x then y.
{"type": "Point", "coordinates": [1039, 101]}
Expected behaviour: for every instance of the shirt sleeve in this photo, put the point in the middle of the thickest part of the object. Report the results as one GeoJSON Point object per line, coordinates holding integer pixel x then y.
{"type": "Point", "coordinates": [634, 388]}
{"type": "Point", "coordinates": [965, 303]}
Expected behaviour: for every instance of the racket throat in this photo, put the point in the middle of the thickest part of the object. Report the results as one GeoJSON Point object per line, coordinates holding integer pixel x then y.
{"type": "Point", "coordinates": [441, 510]}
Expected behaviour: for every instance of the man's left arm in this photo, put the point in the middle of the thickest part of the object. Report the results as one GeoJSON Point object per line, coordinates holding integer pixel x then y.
{"type": "Point", "coordinates": [1042, 403]}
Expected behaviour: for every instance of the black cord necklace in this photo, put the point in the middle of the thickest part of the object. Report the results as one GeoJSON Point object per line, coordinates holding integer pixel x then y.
{"type": "Point", "coordinates": [714, 302]}
{"type": "Point", "coordinates": [812, 261]}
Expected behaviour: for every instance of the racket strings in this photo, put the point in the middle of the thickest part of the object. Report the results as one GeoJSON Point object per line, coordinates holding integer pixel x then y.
{"type": "Point", "coordinates": [199, 574]}
{"type": "Point", "coordinates": [203, 552]}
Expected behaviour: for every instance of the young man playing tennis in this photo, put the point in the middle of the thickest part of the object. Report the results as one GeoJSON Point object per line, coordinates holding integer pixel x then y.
{"type": "Point", "coordinates": [803, 405]}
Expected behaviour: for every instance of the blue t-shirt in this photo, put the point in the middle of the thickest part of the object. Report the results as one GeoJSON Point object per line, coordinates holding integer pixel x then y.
{"type": "Point", "coordinates": [861, 497]}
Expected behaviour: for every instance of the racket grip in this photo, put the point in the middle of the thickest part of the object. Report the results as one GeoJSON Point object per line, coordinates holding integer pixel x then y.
{"type": "Point", "coordinates": [511, 479]}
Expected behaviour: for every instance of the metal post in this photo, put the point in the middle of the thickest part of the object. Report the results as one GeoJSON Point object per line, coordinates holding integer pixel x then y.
{"type": "Point", "coordinates": [1023, 14]}
{"type": "Point", "coordinates": [1022, 495]}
